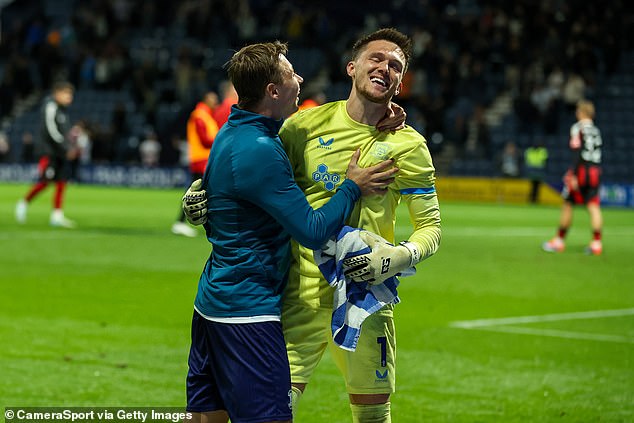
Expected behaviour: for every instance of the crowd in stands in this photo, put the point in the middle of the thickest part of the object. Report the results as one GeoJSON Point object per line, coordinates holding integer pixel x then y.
{"type": "Point", "coordinates": [163, 54]}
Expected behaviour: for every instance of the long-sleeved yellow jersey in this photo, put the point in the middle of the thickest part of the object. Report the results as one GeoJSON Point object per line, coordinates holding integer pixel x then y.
{"type": "Point", "coordinates": [320, 142]}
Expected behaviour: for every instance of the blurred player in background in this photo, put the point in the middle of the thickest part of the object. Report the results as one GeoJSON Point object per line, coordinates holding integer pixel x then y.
{"type": "Point", "coordinates": [535, 158]}
{"type": "Point", "coordinates": [318, 142]}
{"type": "Point", "coordinates": [229, 98]}
{"type": "Point", "coordinates": [55, 153]}
{"type": "Point", "coordinates": [201, 132]}
{"type": "Point", "coordinates": [238, 365]}
{"type": "Point", "coordinates": [582, 180]}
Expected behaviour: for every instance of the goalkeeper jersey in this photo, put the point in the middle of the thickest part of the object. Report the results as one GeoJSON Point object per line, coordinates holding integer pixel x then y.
{"type": "Point", "coordinates": [320, 142]}
{"type": "Point", "coordinates": [254, 207]}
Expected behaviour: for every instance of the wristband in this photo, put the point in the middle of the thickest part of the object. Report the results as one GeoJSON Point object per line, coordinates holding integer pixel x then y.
{"type": "Point", "coordinates": [414, 252]}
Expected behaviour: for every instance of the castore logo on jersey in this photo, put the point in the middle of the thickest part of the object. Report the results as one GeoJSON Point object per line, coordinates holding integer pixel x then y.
{"type": "Point", "coordinates": [325, 144]}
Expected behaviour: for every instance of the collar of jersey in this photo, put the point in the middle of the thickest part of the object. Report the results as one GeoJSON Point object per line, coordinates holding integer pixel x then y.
{"type": "Point", "coordinates": [353, 123]}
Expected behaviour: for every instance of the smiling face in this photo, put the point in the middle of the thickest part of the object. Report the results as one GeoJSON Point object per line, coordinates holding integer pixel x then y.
{"type": "Point", "coordinates": [288, 89]}
{"type": "Point", "coordinates": [377, 72]}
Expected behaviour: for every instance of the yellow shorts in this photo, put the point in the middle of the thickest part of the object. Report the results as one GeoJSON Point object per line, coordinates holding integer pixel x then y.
{"type": "Point", "coordinates": [368, 370]}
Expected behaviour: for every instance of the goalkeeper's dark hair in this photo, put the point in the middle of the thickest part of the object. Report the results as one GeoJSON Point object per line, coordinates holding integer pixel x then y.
{"type": "Point", "coordinates": [388, 34]}
{"type": "Point", "coordinates": [252, 68]}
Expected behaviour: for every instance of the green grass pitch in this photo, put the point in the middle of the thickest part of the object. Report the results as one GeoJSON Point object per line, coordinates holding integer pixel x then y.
{"type": "Point", "coordinates": [100, 315]}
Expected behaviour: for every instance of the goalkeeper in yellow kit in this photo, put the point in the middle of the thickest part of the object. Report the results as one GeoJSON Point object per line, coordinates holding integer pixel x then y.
{"type": "Point", "coordinates": [319, 143]}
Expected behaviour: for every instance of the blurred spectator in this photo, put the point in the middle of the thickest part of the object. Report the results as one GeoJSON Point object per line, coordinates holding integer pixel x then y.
{"type": "Point", "coordinates": [118, 133]}
{"type": "Point", "coordinates": [5, 147]}
{"type": "Point", "coordinates": [574, 90]}
{"type": "Point", "coordinates": [478, 142]}
{"type": "Point", "coordinates": [526, 112]}
{"type": "Point", "coordinates": [110, 66]}
{"type": "Point", "coordinates": [80, 142]}
{"type": "Point", "coordinates": [6, 96]}
{"type": "Point", "coordinates": [555, 81]}
{"type": "Point", "coordinates": [28, 148]}
{"type": "Point", "coordinates": [17, 79]}
{"type": "Point", "coordinates": [313, 99]}
{"type": "Point", "coordinates": [510, 160]}
{"type": "Point", "coordinates": [102, 147]}
{"type": "Point", "coordinates": [35, 34]}
{"type": "Point", "coordinates": [87, 64]}
{"type": "Point", "coordinates": [229, 97]}
{"type": "Point", "coordinates": [545, 99]}
{"type": "Point", "coordinates": [144, 78]}
{"type": "Point", "coordinates": [471, 51]}
{"type": "Point", "coordinates": [80, 137]}
{"type": "Point", "coordinates": [50, 60]}
{"type": "Point", "coordinates": [150, 149]}
{"type": "Point", "coordinates": [187, 76]}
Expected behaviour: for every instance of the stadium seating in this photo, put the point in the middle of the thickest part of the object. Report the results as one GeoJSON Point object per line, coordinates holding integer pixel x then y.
{"type": "Point", "coordinates": [158, 47]}
{"type": "Point", "coordinates": [614, 101]}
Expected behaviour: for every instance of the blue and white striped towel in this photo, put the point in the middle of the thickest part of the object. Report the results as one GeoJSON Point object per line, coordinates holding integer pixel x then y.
{"type": "Point", "coordinates": [353, 301]}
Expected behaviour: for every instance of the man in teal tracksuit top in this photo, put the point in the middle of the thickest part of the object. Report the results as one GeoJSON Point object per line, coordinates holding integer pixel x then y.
{"type": "Point", "coordinates": [238, 366]}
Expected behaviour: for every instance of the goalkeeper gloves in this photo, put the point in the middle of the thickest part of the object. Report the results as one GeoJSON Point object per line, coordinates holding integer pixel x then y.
{"type": "Point", "coordinates": [384, 261]}
{"type": "Point", "coordinates": [194, 203]}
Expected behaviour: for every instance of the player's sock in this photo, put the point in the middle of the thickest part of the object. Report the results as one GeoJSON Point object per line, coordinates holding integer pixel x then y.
{"type": "Point", "coordinates": [58, 200]}
{"type": "Point", "coordinates": [371, 413]}
{"type": "Point", "coordinates": [561, 232]}
{"type": "Point", "coordinates": [596, 235]}
{"type": "Point", "coordinates": [35, 191]}
{"type": "Point", "coordinates": [296, 394]}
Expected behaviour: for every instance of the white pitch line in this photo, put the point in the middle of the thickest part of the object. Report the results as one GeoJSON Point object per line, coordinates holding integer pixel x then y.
{"type": "Point", "coordinates": [560, 334]}
{"type": "Point", "coordinates": [62, 234]}
{"type": "Point", "coordinates": [481, 323]}
{"type": "Point", "coordinates": [495, 232]}
{"type": "Point", "coordinates": [504, 324]}
{"type": "Point", "coordinates": [521, 231]}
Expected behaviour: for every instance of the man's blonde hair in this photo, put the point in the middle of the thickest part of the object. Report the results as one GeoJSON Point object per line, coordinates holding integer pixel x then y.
{"type": "Point", "coordinates": [586, 107]}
